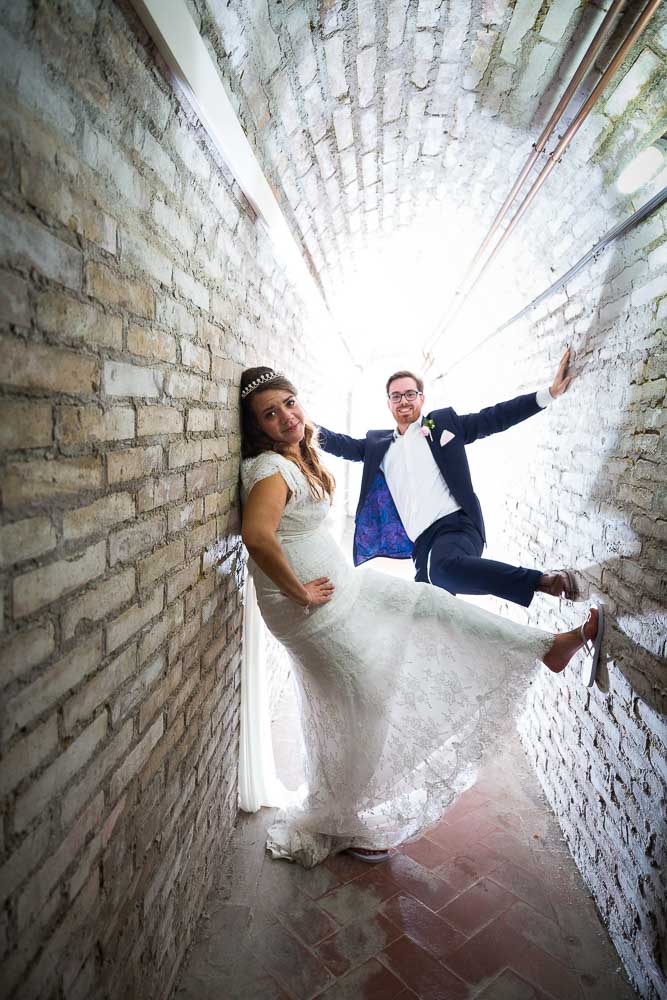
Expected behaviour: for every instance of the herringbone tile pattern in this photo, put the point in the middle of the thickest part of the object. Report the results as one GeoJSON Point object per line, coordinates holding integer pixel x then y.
{"type": "Point", "coordinates": [488, 905]}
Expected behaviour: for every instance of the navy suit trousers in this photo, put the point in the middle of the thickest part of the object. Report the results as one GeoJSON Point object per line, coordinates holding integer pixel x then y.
{"type": "Point", "coordinates": [448, 555]}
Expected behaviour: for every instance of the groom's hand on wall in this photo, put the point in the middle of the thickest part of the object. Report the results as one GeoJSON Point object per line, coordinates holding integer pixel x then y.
{"type": "Point", "coordinates": [561, 380]}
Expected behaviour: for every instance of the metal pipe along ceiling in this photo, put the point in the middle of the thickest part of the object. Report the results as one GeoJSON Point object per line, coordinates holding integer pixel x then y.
{"type": "Point", "coordinates": [590, 55]}
{"type": "Point", "coordinates": [618, 232]}
{"type": "Point", "coordinates": [469, 282]}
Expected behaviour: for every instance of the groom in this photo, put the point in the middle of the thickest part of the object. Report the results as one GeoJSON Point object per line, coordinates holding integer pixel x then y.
{"type": "Point", "coordinates": [417, 497]}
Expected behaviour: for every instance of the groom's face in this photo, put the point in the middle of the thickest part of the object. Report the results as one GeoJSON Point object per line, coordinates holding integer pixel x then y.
{"type": "Point", "coordinates": [405, 411]}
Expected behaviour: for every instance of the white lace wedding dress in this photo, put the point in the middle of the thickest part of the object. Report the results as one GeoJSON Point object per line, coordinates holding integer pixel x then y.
{"type": "Point", "coordinates": [402, 687]}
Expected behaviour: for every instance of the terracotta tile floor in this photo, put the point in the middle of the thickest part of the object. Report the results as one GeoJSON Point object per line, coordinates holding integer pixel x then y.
{"type": "Point", "coordinates": [487, 905]}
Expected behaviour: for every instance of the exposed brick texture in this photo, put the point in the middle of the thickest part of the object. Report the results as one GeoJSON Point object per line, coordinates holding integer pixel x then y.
{"type": "Point", "coordinates": [378, 115]}
{"type": "Point", "coordinates": [135, 285]}
{"type": "Point", "coordinates": [377, 111]}
{"type": "Point", "coordinates": [584, 487]}
{"type": "Point", "coordinates": [123, 338]}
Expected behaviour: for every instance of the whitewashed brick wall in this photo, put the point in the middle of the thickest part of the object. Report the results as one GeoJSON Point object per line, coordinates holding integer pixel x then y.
{"type": "Point", "coordinates": [366, 113]}
{"type": "Point", "coordinates": [136, 286]}
{"type": "Point", "coordinates": [583, 486]}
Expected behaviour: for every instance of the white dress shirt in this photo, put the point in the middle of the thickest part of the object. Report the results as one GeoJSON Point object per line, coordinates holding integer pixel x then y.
{"type": "Point", "coordinates": [418, 489]}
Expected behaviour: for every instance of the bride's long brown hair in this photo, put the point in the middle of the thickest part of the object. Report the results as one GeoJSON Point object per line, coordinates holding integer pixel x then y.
{"type": "Point", "coordinates": [254, 441]}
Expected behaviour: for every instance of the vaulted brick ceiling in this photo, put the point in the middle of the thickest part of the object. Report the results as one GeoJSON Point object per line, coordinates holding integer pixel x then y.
{"type": "Point", "coordinates": [391, 131]}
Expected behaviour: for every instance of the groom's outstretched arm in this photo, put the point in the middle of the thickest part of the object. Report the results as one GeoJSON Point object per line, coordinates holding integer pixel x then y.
{"type": "Point", "coordinates": [493, 419]}
{"type": "Point", "coordinates": [500, 417]}
{"type": "Point", "coordinates": [341, 445]}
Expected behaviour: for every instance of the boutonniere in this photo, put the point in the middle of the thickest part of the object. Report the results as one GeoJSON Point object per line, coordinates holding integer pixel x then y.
{"type": "Point", "coordinates": [427, 428]}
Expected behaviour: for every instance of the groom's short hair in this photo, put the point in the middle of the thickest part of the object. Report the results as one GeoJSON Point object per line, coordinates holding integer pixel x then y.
{"type": "Point", "coordinates": [405, 374]}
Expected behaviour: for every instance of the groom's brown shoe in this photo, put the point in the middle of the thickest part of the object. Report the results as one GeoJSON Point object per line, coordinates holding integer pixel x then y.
{"type": "Point", "coordinates": [570, 586]}
{"type": "Point", "coordinates": [560, 583]}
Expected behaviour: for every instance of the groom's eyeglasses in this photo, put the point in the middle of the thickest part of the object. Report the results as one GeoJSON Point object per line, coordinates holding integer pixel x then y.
{"type": "Point", "coordinates": [410, 395]}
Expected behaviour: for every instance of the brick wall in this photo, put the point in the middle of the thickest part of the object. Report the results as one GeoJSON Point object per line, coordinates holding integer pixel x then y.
{"type": "Point", "coordinates": [135, 286]}
{"type": "Point", "coordinates": [583, 486]}
{"type": "Point", "coordinates": [370, 115]}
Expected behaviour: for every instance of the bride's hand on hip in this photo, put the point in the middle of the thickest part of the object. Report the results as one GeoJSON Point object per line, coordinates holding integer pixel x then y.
{"type": "Point", "coordinates": [319, 591]}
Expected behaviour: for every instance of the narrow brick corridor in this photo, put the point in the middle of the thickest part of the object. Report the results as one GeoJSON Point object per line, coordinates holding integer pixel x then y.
{"type": "Point", "coordinates": [488, 904]}
{"type": "Point", "coordinates": [194, 188]}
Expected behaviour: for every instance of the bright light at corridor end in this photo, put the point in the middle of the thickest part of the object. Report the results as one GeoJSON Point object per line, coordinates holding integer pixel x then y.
{"type": "Point", "coordinates": [389, 296]}
{"type": "Point", "coordinates": [640, 170]}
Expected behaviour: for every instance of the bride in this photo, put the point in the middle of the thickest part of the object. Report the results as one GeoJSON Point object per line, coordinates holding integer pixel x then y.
{"type": "Point", "coordinates": [402, 688]}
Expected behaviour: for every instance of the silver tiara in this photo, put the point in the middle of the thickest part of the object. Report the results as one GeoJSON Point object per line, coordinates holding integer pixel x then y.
{"type": "Point", "coordinates": [251, 386]}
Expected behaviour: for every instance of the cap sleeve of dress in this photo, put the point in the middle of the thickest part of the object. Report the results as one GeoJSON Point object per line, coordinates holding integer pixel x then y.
{"type": "Point", "coordinates": [253, 470]}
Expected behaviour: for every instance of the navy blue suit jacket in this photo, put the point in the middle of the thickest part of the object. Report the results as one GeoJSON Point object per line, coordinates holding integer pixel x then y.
{"type": "Point", "coordinates": [378, 527]}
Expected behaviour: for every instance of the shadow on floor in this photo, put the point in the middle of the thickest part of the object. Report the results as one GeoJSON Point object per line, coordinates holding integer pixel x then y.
{"type": "Point", "coordinates": [488, 904]}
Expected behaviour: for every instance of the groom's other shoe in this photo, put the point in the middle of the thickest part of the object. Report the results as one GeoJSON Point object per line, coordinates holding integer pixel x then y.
{"type": "Point", "coordinates": [570, 586]}
{"type": "Point", "coordinates": [560, 583]}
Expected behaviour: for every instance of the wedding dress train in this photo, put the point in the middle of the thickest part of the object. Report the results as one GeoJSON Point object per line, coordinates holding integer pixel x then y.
{"type": "Point", "coordinates": [402, 688]}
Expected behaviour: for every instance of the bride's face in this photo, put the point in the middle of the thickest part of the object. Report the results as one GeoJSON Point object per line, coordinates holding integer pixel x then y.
{"type": "Point", "coordinates": [279, 414]}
